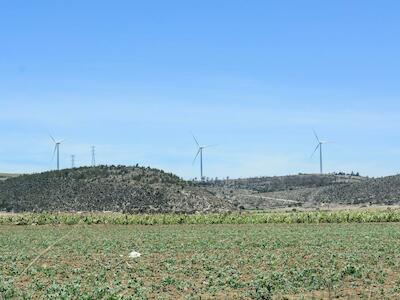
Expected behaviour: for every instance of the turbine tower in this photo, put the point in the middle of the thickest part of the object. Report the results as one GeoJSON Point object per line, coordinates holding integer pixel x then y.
{"type": "Point", "coordinates": [72, 161]}
{"type": "Point", "coordinates": [56, 150]}
{"type": "Point", "coordinates": [200, 152]}
{"type": "Point", "coordinates": [93, 156]}
{"type": "Point", "coordinates": [319, 146]}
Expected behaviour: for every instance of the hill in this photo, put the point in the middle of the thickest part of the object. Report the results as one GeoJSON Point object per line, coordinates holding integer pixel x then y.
{"type": "Point", "coordinates": [281, 183]}
{"type": "Point", "coordinates": [384, 190]}
{"type": "Point", "coordinates": [107, 188]}
{"type": "Point", "coordinates": [350, 191]}
{"type": "Point", "coordinates": [4, 176]}
{"type": "Point", "coordinates": [260, 193]}
{"type": "Point", "coordinates": [146, 190]}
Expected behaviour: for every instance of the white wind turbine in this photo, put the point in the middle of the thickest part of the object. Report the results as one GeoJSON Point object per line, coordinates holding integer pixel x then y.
{"type": "Point", "coordinates": [57, 150]}
{"type": "Point", "coordinates": [319, 146]}
{"type": "Point", "coordinates": [200, 152]}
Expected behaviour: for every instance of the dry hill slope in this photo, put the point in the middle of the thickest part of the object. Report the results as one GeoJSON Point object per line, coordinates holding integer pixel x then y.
{"type": "Point", "coordinates": [384, 190]}
{"type": "Point", "coordinates": [307, 190]}
{"type": "Point", "coordinates": [103, 188]}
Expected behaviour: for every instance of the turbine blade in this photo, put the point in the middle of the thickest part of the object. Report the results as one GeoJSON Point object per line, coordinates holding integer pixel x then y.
{"type": "Point", "coordinates": [53, 139]}
{"type": "Point", "coordinates": [316, 148]}
{"type": "Point", "coordinates": [195, 140]}
{"type": "Point", "coordinates": [316, 136]}
{"type": "Point", "coordinates": [208, 146]}
{"type": "Point", "coordinates": [54, 152]}
{"type": "Point", "coordinates": [194, 160]}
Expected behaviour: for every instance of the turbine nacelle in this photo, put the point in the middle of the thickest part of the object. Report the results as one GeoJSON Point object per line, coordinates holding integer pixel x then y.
{"type": "Point", "coordinates": [55, 141]}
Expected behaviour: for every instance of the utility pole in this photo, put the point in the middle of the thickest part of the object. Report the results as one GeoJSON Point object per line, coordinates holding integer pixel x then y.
{"type": "Point", "coordinates": [72, 161]}
{"type": "Point", "coordinates": [93, 156]}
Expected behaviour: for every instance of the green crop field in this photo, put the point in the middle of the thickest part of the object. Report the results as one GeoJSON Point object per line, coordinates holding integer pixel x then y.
{"type": "Point", "coordinates": [228, 261]}
{"type": "Point", "coordinates": [308, 217]}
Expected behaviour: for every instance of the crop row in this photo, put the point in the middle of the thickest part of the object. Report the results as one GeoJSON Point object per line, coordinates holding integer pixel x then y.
{"type": "Point", "coordinates": [312, 217]}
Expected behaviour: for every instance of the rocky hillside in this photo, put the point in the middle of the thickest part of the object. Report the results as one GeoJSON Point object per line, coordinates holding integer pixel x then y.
{"type": "Point", "coordinates": [363, 191]}
{"type": "Point", "coordinates": [282, 183]}
{"type": "Point", "coordinates": [385, 190]}
{"type": "Point", "coordinates": [308, 191]}
{"type": "Point", "coordinates": [138, 189]}
{"type": "Point", "coordinates": [280, 191]}
{"type": "Point", "coordinates": [107, 188]}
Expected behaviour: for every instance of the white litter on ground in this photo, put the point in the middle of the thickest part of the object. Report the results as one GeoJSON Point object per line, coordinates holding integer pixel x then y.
{"type": "Point", "coordinates": [134, 254]}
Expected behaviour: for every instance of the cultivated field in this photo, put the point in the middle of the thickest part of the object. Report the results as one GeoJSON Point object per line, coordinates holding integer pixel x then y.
{"type": "Point", "coordinates": [360, 215]}
{"type": "Point", "coordinates": [225, 261]}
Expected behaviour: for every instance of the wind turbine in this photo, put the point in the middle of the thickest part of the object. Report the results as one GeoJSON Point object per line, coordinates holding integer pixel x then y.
{"type": "Point", "coordinates": [200, 152]}
{"type": "Point", "coordinates": [57, 150]}
{"type": "Point", "coordinates": [319, 146]}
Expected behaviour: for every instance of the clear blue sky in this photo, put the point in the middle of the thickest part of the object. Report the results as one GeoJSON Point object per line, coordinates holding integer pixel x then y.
{"type": "Point", "coordinates": [135, 78]}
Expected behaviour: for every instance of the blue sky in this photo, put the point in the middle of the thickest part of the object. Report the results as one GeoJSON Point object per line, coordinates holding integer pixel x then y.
{"type": "Point", "coordinates": [135, 78]}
